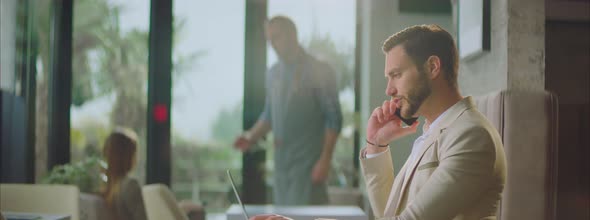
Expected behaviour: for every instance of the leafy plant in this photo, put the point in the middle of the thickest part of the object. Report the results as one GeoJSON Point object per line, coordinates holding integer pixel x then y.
{"type": "Point", "coordinates": [86, 174]}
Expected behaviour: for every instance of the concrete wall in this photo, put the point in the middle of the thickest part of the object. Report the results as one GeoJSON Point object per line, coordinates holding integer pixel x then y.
{"type": "Point", "coordinates": [487, 72]}
{"type": "Point", "coordinates": [516, 59]}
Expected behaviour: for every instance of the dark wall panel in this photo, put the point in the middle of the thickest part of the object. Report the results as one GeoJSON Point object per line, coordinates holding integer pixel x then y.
{"type": "Point", "coordinates": [567, 74]}
{"type": "Point", "coordinates": [159, 93]}
{"type": "Point", "coordinates": [254, 77]}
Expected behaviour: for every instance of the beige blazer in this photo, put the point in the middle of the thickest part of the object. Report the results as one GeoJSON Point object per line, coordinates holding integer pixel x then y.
{"type": "Point", "coordinates": [458, 174]}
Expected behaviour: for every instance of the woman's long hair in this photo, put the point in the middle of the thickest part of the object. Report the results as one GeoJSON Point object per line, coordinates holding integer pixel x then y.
{"type": "Point", "coordinates": [119, 152]}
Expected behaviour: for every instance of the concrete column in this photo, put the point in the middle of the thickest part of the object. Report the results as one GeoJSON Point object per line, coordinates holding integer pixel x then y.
{"type": "Point", "coordinates": [526, 45]}
{"type": "Point", "coordinates": [516, 59]}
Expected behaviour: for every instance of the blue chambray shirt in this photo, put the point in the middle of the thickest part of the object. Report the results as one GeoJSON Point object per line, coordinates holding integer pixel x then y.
{"type": "Point", "coordinates": [301, 103]}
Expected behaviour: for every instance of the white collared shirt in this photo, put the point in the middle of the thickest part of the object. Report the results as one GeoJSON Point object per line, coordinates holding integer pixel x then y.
{"type": "Point", "coordinates": [419, 142]}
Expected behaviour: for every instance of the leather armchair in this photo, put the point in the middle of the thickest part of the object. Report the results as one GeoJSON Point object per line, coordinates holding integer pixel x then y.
{"type": "Point", "coordinates": [527, 122]}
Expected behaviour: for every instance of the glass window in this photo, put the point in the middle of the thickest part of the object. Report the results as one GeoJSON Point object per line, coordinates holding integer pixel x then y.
{"type": "Point", "coordinates": [109, 66]}
{"type": "Point", "coordinates": [25, 34]}
{"type": "Point", "coordinates": [326, 30]}
{"type": "Point", "coordinates": [8, 10]}
{"type": "Point", "coordinates": [207, 94]}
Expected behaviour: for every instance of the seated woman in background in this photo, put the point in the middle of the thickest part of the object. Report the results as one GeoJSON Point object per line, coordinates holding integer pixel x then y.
{"type": "Point", "coordinates": [122, 194]}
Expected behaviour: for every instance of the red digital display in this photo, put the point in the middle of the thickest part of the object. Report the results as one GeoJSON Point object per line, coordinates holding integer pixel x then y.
{"type": "Point", "coordinates": [160, 113]}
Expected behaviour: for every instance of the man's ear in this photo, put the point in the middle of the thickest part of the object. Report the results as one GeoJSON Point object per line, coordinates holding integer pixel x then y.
{"type": "Point", "coordinates": [432, 67]}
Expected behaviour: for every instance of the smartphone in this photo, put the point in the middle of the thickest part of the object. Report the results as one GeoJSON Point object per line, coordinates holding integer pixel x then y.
{"type": "Point", "coordinates": [407, 121]}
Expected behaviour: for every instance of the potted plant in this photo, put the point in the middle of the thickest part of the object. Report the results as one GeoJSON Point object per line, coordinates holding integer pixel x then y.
{"type": "Point", "coordinates": [86, 174]}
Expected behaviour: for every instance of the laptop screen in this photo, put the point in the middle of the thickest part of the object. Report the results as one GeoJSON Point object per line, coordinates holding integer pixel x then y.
{"type": "Point", "coordinates": [233, 185]}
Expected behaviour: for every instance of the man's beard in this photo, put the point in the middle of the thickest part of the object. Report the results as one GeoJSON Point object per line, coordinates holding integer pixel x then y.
{"type": "Point", "coordinates": [417, 95]}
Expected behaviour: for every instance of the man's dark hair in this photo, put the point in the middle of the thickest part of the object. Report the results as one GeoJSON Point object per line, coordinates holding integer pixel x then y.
{"type": "Point", "coordinates": [284, 23]}
{"type": "Point", "coordinates": [423, 41]}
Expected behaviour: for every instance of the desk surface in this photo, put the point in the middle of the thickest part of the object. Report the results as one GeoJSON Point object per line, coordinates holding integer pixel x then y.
{"type": "Point", "coordinates": [299, 212]}
{"type": "Point", "coordinates": [33, 216]}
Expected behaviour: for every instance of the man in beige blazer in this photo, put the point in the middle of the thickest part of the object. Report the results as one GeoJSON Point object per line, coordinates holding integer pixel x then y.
{"type": "Point", "coordinates": [457, 168]}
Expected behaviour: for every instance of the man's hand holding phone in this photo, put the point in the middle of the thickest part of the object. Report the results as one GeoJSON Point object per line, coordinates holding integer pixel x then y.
{"type": "Point", "coordinates": [385, 126]}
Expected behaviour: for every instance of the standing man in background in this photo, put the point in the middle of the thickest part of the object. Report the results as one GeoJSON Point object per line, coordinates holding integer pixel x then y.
{"type": "Point", "coordinates": [303, 112]}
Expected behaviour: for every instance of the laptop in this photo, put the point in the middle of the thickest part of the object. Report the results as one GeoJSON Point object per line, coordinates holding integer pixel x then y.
{"type": "Point", "coordinates": [32, 216]}
{"type": "Point", "coordinates": [233, 185]}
